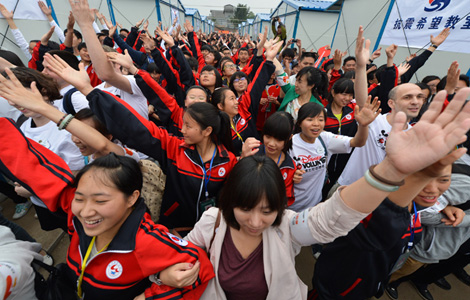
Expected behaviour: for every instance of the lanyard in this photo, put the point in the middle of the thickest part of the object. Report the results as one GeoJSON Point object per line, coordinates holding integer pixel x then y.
{"type": "Point", "coordinates": [206, 180]}
{"type": "Point", "coordinates": [414, 218]}
{"type": "Point", "coordinates": [238, 134]}
{"type": "Point", "coordinates": [88, 252]}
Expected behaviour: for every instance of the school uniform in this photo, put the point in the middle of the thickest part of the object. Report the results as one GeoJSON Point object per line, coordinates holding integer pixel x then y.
{"type": "Point", "coordinates": [139, 249]}
{"type": "Point", "coordinates": [185, 198]}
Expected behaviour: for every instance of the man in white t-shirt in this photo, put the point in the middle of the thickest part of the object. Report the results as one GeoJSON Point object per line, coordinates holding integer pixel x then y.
{"type": "Point", "coordinates": [407, 98]}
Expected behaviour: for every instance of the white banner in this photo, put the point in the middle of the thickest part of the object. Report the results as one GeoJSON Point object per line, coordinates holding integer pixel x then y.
{"type": "Point", "coordinates": [25, 9]}
{"type": "Point", "coordinates": [415, 20]}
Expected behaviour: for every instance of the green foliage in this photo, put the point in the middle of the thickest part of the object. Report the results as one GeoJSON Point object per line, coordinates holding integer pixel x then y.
{"type": "Point", "coordinates": [242, 12]}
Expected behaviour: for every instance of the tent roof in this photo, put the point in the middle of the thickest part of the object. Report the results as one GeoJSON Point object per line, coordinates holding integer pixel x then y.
{"type": "Point", "coordinates": [264, 17]}
{"type": "Point", "coordinates": [318, 5]}
{"type": "Point", "coordinates": [249, 21]}
{"type": "Point", "coordinates": [191, 11]}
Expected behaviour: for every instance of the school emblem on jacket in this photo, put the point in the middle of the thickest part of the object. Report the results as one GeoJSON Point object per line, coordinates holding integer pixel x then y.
{"type": "Point", "coordinates": [177, 240]}
{"type": "Point", "coordinates": [242, 121]}
{"type": "Point", "coordinates": [221, 171]}
{"type": "Point", "coordinates": [284, 175]}
{"type": "Point", "coordinates": [114, 270]}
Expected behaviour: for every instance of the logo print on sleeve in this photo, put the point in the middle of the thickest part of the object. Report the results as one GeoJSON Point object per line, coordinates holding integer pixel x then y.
{"type": "Point", "coordinates": [177, 240]}
{"type": "Point", "coordinates": [114, 270]}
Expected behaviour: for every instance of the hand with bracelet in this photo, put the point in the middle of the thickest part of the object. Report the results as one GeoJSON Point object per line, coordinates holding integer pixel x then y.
{"type": "Point", "coordinates": [408, 152]}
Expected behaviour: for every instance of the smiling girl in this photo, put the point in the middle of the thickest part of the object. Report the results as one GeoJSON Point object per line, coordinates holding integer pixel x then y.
{"type": "Point", "coordinates": [312, 148]}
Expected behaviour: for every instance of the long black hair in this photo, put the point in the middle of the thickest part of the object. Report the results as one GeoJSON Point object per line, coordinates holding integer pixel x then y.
{"type": "Point", "coordinates": [317, 78]}
{"type": "Point", "coordinates": [205, 114]}
{"type": "Point", "coordinates": [280, 126]}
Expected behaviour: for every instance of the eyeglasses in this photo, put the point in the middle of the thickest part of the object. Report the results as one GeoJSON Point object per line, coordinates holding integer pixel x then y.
{"type": "Point", "coordinates": [229, 67]}
{"type": "Point", "coordinates": [239, 80]}
{"type": "Point", "coordinates": [207, 74]}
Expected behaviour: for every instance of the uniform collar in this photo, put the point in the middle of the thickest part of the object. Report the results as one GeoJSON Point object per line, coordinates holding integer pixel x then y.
{"type": "Point", "coordinates": [125, 238]}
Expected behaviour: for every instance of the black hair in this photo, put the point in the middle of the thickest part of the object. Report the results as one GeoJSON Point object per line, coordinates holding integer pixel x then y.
{"type": "Point", "coordinates": [342, 86]}
{"type": "Point", "coordinates": [207, 48]}
{"type": "Point", "coordinates": [218, 77]}
{"type": "Point", "coordinates": [87, 113]}
{"type": "Point", "coordinates": [68, 57]}
{"type": "Point", "coordinates": [308, 110]}
{"type": "Point", "coordinates": [153, 68]}
{"type": "Point", "coordinates": [218, 96]}
{"type": "Point", "coordinates": [371, 75]}
{"type": "Point", "coordinates": [11, 58]}
{"type": "Point", "coordinates": [313, 55]}
{"type": "Point", "coordinates": [207, 115]}
{"type": "Point", "coordinates": [429, 78]}
{"type": "Point", "coordinates": [317, 78]}
{"type": "Point", "coordinates": [349, 58]}
{"type": "Point", "coordinates": [198, 87]}
{"type": "Point", "coordinates": [442, 84]}
{"type": "Point", "coordinates": [237, 75]}
{"type": "Point", "coordinates": [244, 49]}
{"type": "Point", "coordinates": [424, 86]}
{"type": "Point", "coordinates": [252, 179]}
{"type": "Point", "coordinates": [46, 85]}
{"type": "Point", "coordinates": [349, 75]}
{"type": "Point", "coordinates": [223, 60]}
{"type": "Point", "coordinates": [121, 172]}
{"type": "Point", "coordinates": [280, 126]}
{"type": "Point", "coordinates": [81, 46]}
{"type": "Point", "coordinates": [193, 63]}
{"type": "Point", "coordinates": [125, 30]}
{"type": "Point", "coordinates": [288, 52]}
{"type": "Point", "coordinates": [77, 34]}
{"type": "Point", "coordinates": [217, 57]}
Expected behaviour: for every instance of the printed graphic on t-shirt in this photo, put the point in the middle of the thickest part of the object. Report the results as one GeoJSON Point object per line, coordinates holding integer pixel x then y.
{"type": "Point", "coordinates": [381, 139]}
{"type": "Point", "coordinates": [311, 163]}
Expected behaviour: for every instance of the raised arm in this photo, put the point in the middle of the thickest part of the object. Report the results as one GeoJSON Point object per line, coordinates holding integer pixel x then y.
{"type": "Point", "coordinates": [47, 11]}
{"type": "Point", "coordinates": [362, 57]}
{"type": "Point", "coordinates": [19, 38]}
{"type": "Point", "coordinates": [84, 17]}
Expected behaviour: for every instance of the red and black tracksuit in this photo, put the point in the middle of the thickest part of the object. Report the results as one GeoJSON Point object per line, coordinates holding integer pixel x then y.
{"type": "Point", "coordinates": [139, 249]}
{"type": "Point", "coordinates": [287, 168]}
{"type": "Point", "coordinates": [358, 266]}
{"type": "Point", "coordinates": [245, 121]}
{"type": "Point", "coordinates": [184, 189]}
{"type": "Point", "coordinates": [348, 127]}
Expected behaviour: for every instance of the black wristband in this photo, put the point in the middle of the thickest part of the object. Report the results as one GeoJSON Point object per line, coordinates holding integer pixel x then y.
{"type": "Point", "coordinates": [434, 45]}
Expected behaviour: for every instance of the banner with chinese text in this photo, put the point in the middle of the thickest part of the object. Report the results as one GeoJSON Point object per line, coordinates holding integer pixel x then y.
{"type": "Point", "coordinates": [415, 21]}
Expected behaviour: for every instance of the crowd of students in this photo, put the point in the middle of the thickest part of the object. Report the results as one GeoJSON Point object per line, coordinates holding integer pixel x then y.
{"type": "Point", "coordinates": [260, 152]}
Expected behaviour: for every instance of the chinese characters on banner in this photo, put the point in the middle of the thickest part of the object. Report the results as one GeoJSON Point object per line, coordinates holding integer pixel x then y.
{"type": "Point", "coordinates": [416, 20]}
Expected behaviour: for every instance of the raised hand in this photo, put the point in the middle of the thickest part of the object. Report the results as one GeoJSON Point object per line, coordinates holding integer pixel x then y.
{"type": "Point", "coordinates": [47, 36]}
{"type": "Point", "coordinates": [362, 49]}
{"type": "Point", "coordinates": [82, 13]}
{"type": "Point", "coordinates": [262, 41]}
{"type": "Point", "coordinates": [139, 23]}
{"type": "Point", "coordinates": [5, 12]}
{"type": "Point", "coordinates": [337, 59]}
{"type": "Point", "coordinates": [148, 42]}
{"type": "Point", "coordinates": [367, 114]}
{"type": "Point", "coordinates": [432, 138]}
{"type": "Point", "coordinates": [12, 90]}
{"type": "Point", "coordinates": [44, 8]}
{"type": "Point", "coordinates": [272, 48]}
{"type": "Point", "coordinates": [453, 75]}
{"type": "Point", "coordinates": [146, 26]}
{"type": "Point", "coordinates": [402, 68]}
{"type": "Point", "coordinates": [166, 37]}
{"type": "Point", "coordinates": [78, 79]}
{"type": "Point", "coordinates": [250, 147]}
{"type": "Point", "coordinates": [441, 37]}
{"type": "Point", "coordinates": [376, 54]}
{"type": "Point", "coordinates": [123, 60]}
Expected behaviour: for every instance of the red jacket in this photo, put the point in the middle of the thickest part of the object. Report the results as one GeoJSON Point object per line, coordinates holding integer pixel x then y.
{"type": "Point", "coordinates": [140, 248]}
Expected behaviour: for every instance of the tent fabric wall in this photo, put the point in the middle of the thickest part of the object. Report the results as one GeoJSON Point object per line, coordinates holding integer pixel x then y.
{"type": "Point", "coordinates": [315, 27]}
{"type": "Point", "coordinates": [371, 15]}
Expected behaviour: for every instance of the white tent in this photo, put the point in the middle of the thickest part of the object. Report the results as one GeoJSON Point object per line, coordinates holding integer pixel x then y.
{"type": "Point", "coordinates": [312, 21]}
{"type": "Point", "coordinates": [193, 15]}
{"type": "Point", "coordinates": [261, 20]}
{"type": "Point", "coordinates": [122, 11]}
{"type": "Point", "coordinates": [372, 15]}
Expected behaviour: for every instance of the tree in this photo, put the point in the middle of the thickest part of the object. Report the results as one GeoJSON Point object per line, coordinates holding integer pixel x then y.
{"type": "Point", "coordinates": [242, 12]}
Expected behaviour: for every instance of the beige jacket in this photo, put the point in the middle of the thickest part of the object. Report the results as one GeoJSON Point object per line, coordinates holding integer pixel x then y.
{"type": "Point", "coordinates": [321, 224]}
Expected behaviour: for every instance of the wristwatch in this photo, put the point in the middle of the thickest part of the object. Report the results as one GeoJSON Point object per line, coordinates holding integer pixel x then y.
{"type": "Point", "coordinates": [156, 279]}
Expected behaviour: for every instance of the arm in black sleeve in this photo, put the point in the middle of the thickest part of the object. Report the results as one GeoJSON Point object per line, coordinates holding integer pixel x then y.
{"type": "Point", "coordinates": [186, 77]}
{"type": "Point", "coordinates": [132, 36]}
{"type": "Point", "coordinates": [125, 124]}
{"type": "Point", "coordinates": [138, 57]}
{"type": "Point", "coordinates": [415, 64]}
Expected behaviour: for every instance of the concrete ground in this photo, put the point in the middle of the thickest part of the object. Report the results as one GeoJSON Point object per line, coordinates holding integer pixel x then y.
{"type": "Point", "coordinates": [57, 243]}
